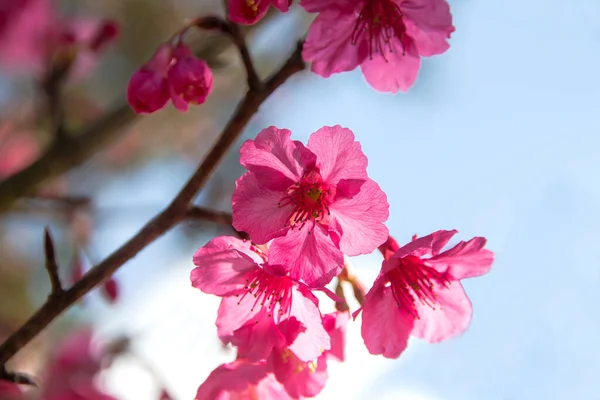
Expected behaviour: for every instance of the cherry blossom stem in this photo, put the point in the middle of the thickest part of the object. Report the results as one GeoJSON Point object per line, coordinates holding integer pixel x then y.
{"type": "Point", "coordinates": [175, 212]}
{"type": "Point", "coordinates": [218, 217]}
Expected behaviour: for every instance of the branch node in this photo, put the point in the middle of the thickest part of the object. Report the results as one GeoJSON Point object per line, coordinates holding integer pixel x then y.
{"type": "Point", "coordinates": [51, 264]}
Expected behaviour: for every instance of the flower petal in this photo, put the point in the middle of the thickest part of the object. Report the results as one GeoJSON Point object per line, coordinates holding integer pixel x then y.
{"type": "Point", "coordinates": [312, 340]}
{"type": "Point", "coordinates": [223, 265]}
{"type": "Point", "coordinates": [300, 379]}
{"type": "Point", "coordinates": [451, 318]}
{"type": "Point", "coordinates": [245, 12]}
{"type": "Point", "coordinates": [256, 339]}
{"type": "Point", "coordinates": [429, 15]}
{"type": "Point", "coordinates": [329, 45]}
{"type": "Point", "coordinates": [429, 245]}
{"type": "Point", "coordinates": [322, 5]}
{"type": "Point", "coordinates": [233, 377]}
{"type": "Point", "coordinates": [276, 161]}
{"type": "Point", "coordinates": [360, 220]}
{"type": "Point", "coordinates": [335, 324]}
{"type": "Point", "coordinates": [465, 260]}
{"type": "Point", "coordinates": [339, 156]}
{"type": "Point", "coordinates": [311, 256]}
{"type": "Point", "coordinates": [385, 328]}
{"type": "Point", "coordinates": [256, 210]}
{"type": "Point", "coordinates": [234, 313]}
{"type": "Point", "coordinates": [397, 71]}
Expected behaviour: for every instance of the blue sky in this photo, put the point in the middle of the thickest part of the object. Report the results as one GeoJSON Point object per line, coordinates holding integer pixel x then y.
{"type": "Point", "coordinates": [498, 138]}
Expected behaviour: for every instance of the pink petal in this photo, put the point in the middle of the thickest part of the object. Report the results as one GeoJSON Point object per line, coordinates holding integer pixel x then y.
{"type": "Point", "coordinates": [312, 340]}
{"type": "Point", "coordinates": [385, 328]}
{"type": "Point", "coordinates": [245, 12]}
{"type": "Point", "coordinates": [450, 318]}
{"type": "Point", "coordinates": [429, 15]}
{"type": "Point", "coordinates": [313, 6]}
{"type": "Point", "coordinates": [233, 377]}
{"type": "Point", "coordinates": [465, 260]}
{"type": "Point", "coordinates": [360, 220]}
{"type": "Point", "coordinates": [429, 43]}
{"type": "Point", "coordinates": [397, 71]}
{"type": "Point", "coordinates": [275, 159]}
{"type": "Point", "coordinates": [335, 324]}
{"type": "Point", "coordinates": [223, 265]}
{"type": "Point", "coordinates": [256, 210]}
{"type": "Point", "coordinates": [311, 256]}
{"type": "Point", "coordinates": [256, 339]}
{"type": "Point", "coordinates": [298, 378]}
{"type": "Point", "coordinates": [329, 45]}
{"type": "Point", "coordinates": [234, 313]}
{"type": "Point", "coordinates": [429, 245]}
{"type": "Point", "coordinates": [339, 155]}
{"type": "Point", "coordinates": [270, 388]}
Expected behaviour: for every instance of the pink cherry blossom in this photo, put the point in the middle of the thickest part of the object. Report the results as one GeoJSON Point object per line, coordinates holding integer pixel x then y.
{"type": "Point", "coordinates": [72, 370]}
{"type": "Point", "coordinates": [251, 11]}
{"type": "Point", "coordinates": [418, 292]}
{"type": "Point", "coordinates": [386, 38]}
{"type": "Point", "coordinates": [148, 88]}
{"type": "Point", "coordinates": [241, 380]}
{"type": "Point", "coordinates": [262, 308]}
{"type": "Point", "coordinates": [190, 78]}
{"type": "Point", "coordinates": [316, 202]}
{"type": "Point", "coordinates": [307, 378]}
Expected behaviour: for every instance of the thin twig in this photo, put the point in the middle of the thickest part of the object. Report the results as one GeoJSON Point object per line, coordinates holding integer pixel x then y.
{"type": "Point", "coordinates": [52, 264]}
{"type": "Point", "coordinates": [159, 225]}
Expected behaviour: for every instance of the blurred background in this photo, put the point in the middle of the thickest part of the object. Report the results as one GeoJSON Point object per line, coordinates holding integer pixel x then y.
{"type": "Point", "coordinates": [499, 137]}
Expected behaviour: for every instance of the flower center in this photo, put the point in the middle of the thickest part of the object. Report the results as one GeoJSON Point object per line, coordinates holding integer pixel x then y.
{"type": "Point", "coordinates": [271, 292]}
{"type": "Point", "coordinates": [413, 281]}
{"type": "Point", "coordinates": [308, 200]}
{"type": "Point", "coordinates": [381, 21]}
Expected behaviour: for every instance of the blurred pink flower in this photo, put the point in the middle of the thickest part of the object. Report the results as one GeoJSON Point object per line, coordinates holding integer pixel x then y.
{"type": "Point", "coordinates": [32, 33]}
{"type": "Point", "coordinates": [190, 78]}
{"type": "Point", "coordinates": [262, 308]}
{"type": "Point", "coordinates": [418, 292]}
{"type": "Point", "coordinates": [110, 288]}
{"type": "Point", "coordinates": [251, 11]}
{"type": "Point", "coordinates": [17, 151]}
{"type": "Point", "coordinates": [385, 37]}
{"type": "Point", "coordinates": [10, 391]}
{"type": "Point", "coordinates": [316, 202]}
{"type": "Point", "coordinates": [72, 371]}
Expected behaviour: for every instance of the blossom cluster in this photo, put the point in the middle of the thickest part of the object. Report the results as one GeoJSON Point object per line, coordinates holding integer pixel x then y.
{"type": "Point", "coordinates": [304, 209]}
{"type": "Point", "coordinates": [386, 38]}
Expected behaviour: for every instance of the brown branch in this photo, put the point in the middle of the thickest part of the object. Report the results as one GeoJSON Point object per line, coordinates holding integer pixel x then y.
{"type": "Point", "coordinates": [169, 217]}
{"type": "Point", "coordinates": [52, 264]}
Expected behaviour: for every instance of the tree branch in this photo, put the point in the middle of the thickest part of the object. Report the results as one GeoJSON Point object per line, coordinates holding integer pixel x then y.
{"type": "Point", "coordinates": [204, 214]}
{"type": "Point", "coordinates": [175, 212]}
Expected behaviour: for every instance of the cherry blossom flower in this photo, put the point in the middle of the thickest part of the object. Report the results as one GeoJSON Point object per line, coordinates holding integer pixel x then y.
{"type": "Point", "coordinates": [251, 11]}
{"type": "Point", "coordinates": [190, 78]}
{"type": "Point", "coordinates": [418, 292]}
{"type": "Point", "coordinates": [386, 38]}
{"type": "Point", "coordinates": [262, 308]}
{"type": "Point", "coordinates": [316, 202]}
{"type": "Point", "coordinates": [10, 391]}
{"type": "Point", "coordinates": [241, 380]}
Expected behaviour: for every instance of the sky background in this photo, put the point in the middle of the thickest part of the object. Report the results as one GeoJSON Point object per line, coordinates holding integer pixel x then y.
{"type": "Point", "coordinates": [499, 137]}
